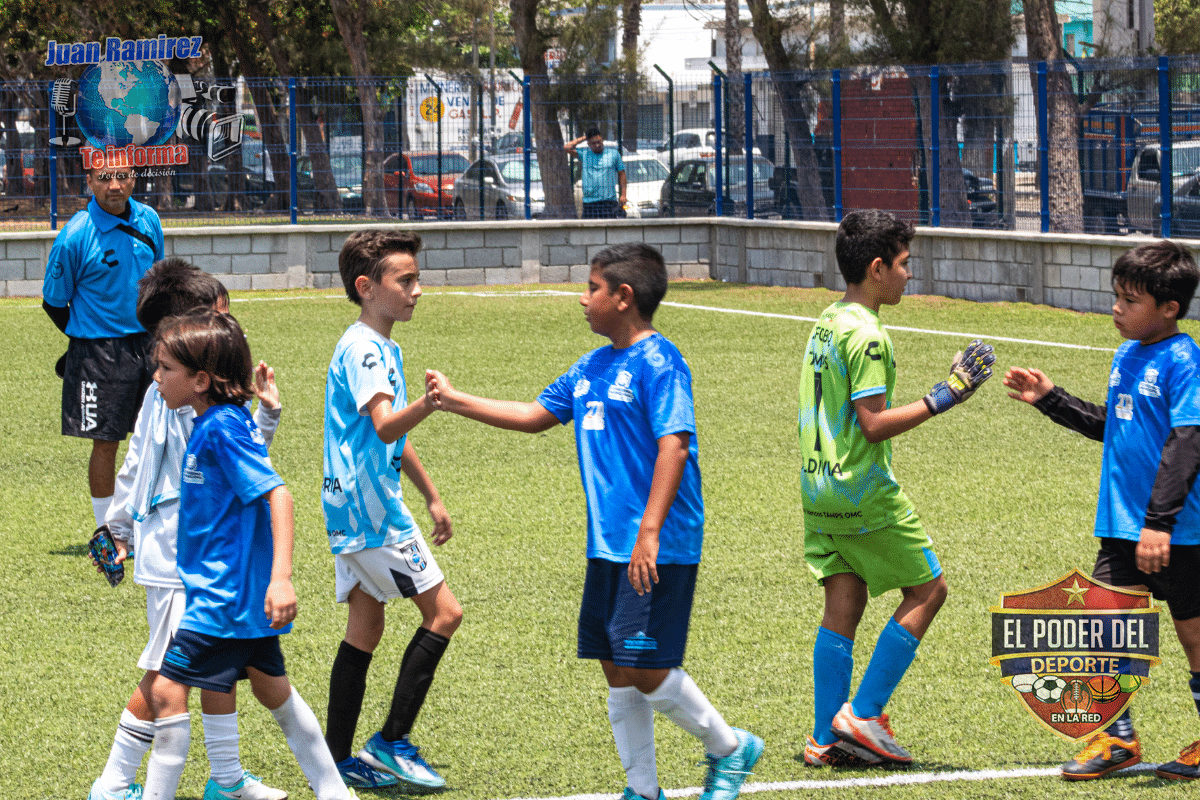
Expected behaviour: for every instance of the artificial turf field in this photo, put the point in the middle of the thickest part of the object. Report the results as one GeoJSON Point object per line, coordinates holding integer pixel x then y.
{"type": "Point", "coordinates": [1007, 496]}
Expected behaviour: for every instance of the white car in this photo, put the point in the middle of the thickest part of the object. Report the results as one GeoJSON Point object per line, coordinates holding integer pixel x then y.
{"type": "Point", "coordinates": [644, 177]}
{"type": "Point", "coordinates": [692, 143]}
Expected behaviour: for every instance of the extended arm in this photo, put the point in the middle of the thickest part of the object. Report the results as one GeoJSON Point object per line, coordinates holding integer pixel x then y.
{"type": "Point", "coordinates": [280, 603]}
{"type": "Point", "coordinates": [664, 485]}
{"type": "Point", "coordinates": [391, 425]}
{"type": "Point", "coordinates": [415, 470]}
{"type": "Point", "coordinates": [509, 414]}
{"type": "Point", "coordinates": [621, 184]}
{"type": "Point", "coordinates": [570, 146]}
{"type": "Point", "coordinates": [1033, 387]}
{"type": "Point", "coordinates": [879, 423]}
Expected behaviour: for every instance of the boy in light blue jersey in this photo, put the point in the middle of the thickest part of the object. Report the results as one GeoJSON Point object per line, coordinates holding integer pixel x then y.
{"type": "Point", "coordinates": [234, 556]}
{"type": "Point", "coordinates": [635, 433]}
{"type": "Point", "coordinates": [379, 552]}
{"type": "Point", "coordinates": [1148, 507]}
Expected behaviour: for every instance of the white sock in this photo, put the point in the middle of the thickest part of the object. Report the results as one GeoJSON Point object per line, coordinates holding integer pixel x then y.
{"type": "Point", "coordinates": [681, 701]}
{"type": "Point", "coordinates": [172, 736]}
{"type": "Point", "coordinates": [130, 744]}
{"type": "Point", "coordinates": [100, 508]}
{"type": "Point", "coordinates": [632, 721]}
{"type": "Point", "coordinates": [304, 738]}
{"type": "Point", "coordinates": [221, 742]}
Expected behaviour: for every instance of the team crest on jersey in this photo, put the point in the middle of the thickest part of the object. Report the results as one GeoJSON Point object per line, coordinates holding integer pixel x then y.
{"type": "Point", "coordinates": [1149, 384]}
{"type": "Point", "coordinates": [1075, 651]}
{"type": "Point", "coordinates": [415, 558]}
{"type": "Point", "coordinates": [190, 472]}
{"type": "Point", "coordinates": [620, 390]}
{"type": "Point", "coordinates": [1114, 377]}
{"type": "Point", "coordinates": [581, 387]}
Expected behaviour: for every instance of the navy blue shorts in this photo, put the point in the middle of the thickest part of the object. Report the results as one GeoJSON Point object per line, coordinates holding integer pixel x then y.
{"type": "Point", "coordinates": [210, 662]}
{"type": "Point", "coordinates": [645, 632]}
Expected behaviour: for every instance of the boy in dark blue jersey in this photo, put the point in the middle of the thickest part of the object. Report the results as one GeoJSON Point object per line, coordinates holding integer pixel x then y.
{"type": "Point", "coordinates": [635, 433]}
{"type": "Point", "coordinates": [1148, 509]}
{"type": "Point", "coordinates": [234, 556]}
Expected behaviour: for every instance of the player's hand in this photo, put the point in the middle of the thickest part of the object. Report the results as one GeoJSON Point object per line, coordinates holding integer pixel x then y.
{"type": "Point", "coordinates": [264, 385]}
{"type": "Point", "coordinates": [643, 564]}
{"type": "Point", "coordinates": [1153, 552]}
{"type": "Point", "coordinates": [1028, 385]}
{"type": "Point", "coordinates": [442, 528]}
{"type": "Point", "coordinates": [280, 605]}
{"type": "Point", "coordinates": [968, 371]}
{"type": "Point", "coordinates": [437, 387]}
{"type": "Point", "coordinates": [122, 551]}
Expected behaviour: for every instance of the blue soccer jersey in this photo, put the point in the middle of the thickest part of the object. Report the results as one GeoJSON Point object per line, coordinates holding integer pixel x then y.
{"type": "Point", "coordinates": [225, 547]}
{"type": "Point", "coordinates": [1151, 389]}
{"type": "Point", "coordinates": [95, 264]}
{"type": "Point", "coordinates": [624, 401]}
{"type": "Point", "coordinates": [360, 493]}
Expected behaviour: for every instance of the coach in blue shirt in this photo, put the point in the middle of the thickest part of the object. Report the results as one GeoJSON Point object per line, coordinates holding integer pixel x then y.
{"type": "Point", "coordinates": [90, 292]}
{"type": "Point", "coordinates": [603, 174]}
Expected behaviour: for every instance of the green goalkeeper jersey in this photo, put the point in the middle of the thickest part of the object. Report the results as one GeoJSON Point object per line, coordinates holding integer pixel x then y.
{"type": "Point", "coordinates": [846, 482]}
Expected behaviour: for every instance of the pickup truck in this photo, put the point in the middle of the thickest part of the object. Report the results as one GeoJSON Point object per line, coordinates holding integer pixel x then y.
{"type": "Point", "coordinates": [1143, 194]}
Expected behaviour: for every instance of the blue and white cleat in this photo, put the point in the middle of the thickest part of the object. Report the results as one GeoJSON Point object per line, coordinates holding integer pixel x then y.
{"type": "Point", "coordinates": [357, 773]}
{"type": "Point", "coordinates": [134, 792]}
{"type": "Point", "coordinates": [402, 759]}
{"type": "Point", "coordinates": [248, 788]}
{"type": "Point", "coordinates": [726, 775]}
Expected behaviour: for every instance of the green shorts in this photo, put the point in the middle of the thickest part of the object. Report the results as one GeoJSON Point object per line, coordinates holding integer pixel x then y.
{"type": "Point", "coordinates": [889, 558]}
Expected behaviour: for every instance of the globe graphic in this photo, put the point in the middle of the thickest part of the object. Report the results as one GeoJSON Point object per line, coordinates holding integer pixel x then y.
{"type": "Point", "coordinates": [127, 102]}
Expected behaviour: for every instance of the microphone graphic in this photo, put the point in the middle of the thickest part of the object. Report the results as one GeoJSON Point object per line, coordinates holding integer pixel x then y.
{"type": "Point", "coordinates": [62, 100]}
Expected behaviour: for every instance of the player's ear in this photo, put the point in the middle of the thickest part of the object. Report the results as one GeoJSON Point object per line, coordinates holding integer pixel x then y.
{"type": "Point", "coordinates": [1171, 309]}
{"type": "Point", "coordinates": [201, 382]}
{"type": "Point", "coordinates": [625, 297]}
{"type": "Point", "coordinates": [362, 284]}
{"type": "Point", "coordinates": [875, 269]}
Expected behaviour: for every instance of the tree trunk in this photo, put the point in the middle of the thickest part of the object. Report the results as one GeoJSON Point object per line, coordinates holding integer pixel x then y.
{"type": "Point", "coordinates": [735, 89]}
{"type": "Point", "coordinates": [791, 87]}
{"type": "Point", "coordinates": [631, 28]}
{"type": "Point", "coordinates": [350, 16]}
{"type": "Point", "coordinates": [548, 141]}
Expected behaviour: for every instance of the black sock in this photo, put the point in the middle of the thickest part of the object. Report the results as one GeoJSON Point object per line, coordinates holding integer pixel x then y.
{"type": "Point", "coordinates": [347, 685]}
{"type": "Point", "coordinates": [1194, 685]}
{"type": "Point", "coordinates": [420, 661]}
{"type": "Point", "coordinates": [1122, 727]}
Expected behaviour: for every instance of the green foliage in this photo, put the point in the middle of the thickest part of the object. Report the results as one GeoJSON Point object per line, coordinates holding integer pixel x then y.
{"type": "Point", "coordinates": [1177, 26]}
{"type": "Point", "coordinates": [512, 712]}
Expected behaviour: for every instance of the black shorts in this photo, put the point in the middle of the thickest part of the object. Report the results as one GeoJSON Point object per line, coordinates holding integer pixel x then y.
{"type": "Point", "coordinates": [1177, 585]}
{"type": "Point", "coordinates": [646, 631]}
{"type": "Point", "coordinates": [104, 381]}
{"type": "Point", "coordinates": [210, 662]}
{"type": "Point", "coordinates": [603, 209]}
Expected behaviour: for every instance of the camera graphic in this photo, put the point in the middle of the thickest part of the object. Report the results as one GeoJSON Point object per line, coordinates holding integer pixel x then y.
{"type": "Point", "coordinates": [222, 136]}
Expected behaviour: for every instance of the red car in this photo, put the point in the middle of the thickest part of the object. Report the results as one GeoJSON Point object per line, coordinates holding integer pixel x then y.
{"type": "Point", "coordinates": [414, 177]}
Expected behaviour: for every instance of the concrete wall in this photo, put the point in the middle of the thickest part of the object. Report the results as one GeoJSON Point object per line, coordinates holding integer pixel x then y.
{"type": "Point", "coordinates": [1067, 270]}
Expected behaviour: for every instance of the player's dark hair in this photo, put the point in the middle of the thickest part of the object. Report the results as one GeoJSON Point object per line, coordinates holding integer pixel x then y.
{"type": "Point", "coordinates": [1164, 270]}
{"type": "Point", "coordinates": [638, 265]}
{"type": "Point", "coordinates": [364, 253]}
{"type": "Point", "coordinates": [866, 235]}
{"type": "Point", "coordinates": [592, 131]}
{"type": "Point", "coordinates": [212, 342]}
{"type": "Point", "coordinates": [174, 286]}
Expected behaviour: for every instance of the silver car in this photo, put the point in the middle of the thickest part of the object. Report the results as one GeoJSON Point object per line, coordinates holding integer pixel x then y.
{"type": "Point", "coordinates": [503, 180]}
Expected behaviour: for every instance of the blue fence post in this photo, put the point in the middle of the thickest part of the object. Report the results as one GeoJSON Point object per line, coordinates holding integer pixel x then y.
{"type": "Point", "coordinates": [670, 137]}
{"type": "Point", "coordinates": [837, 145]}
{"type": "Point", "coordinates": [53, 163]}
{"type": "Point", "coordinates": [292, 144]}
{"type": "Point", "coordinates": [527, 119]}
{"type": "Point", "coordinates": [748, 103]}
{"type": "Point", "coordinates": [1166, 174]}
{"type": "Point", "coordinates": [1043, 145]}
{"type": "Point", "coordinates": [719, 200]}
{"type": "Point", "coordinates": [935, 150]}
{"type": "Point", "coordinates": [438, 87]}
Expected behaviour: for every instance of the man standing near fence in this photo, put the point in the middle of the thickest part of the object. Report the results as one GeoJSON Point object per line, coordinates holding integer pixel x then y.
{"type": "Point", "coordinates": [90, 293]}
{"type": "Point", "coordinates": [603, 176]}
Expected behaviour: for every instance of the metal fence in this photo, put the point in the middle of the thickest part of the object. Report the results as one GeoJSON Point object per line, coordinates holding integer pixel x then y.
{"type": "Point", "coordinates": [1106, 146]}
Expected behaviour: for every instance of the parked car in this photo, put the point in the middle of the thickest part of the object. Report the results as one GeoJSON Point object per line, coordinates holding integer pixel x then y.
{"type": "Point", "coordinates": [511, 142]}
{"type": "Point", "coordinates": [414, 176]}
{"type": "Point", "coordinates": [503, 181]}
{"type": "Point", "coordinates": [981, 200]}
{"type": "Point", "coordinates": [691, 143]}
{"type": "Point", "coordinates": [1185, 210]}
{"type": "Point", "coordinates": [695, 194]}
{"type": "Point", "coordinates": [644, 177]}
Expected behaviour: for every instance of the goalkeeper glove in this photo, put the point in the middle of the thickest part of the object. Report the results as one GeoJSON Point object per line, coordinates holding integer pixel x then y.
{"type": "Point", "coordinates": [969, 369]}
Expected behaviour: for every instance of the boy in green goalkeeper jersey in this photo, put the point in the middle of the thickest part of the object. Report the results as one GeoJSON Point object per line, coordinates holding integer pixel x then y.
{"type": "Point", "coordinates": [861, 533]}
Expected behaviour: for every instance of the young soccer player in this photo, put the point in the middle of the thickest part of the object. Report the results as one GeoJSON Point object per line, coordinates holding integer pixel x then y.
{"type": "Point", "coordinates": [234, 555]}
{"type": "Point", "coordinates": [145, 512]}
{"type": "Point", "coordinates": [861, 533]}
{"type": "Point", "coordinates": [635, 432]}
{"type": "Point", "coordinates": [379, 552]}
{"type": "Point", "coordinates": [1148, 509]}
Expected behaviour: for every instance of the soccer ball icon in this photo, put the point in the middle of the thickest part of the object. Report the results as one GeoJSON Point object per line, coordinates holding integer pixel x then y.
{"type": "Point", "coordinates": [1049, 688]}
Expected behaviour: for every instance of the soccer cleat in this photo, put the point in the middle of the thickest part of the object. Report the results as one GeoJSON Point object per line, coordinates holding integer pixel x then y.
{"type": "Point", "coordinates": [630, 794]}
{"type": "Point", "coordinates": [1184, 768]}
{"type": "Point", "coordinates": [402, 759]}
{"type": "Point", "coordinates": [134, 792]}
{"type": "Point", "coordinates": [248, 788]}
{"type": "Point", "coordinates": [838, 754]}
{"type": "Point", "coordinates": [1102, 754]}
{"type": "Point", "coordinates": [873, 734]}
{"type": "Point", "coordinates": [725, 775]}
{"type": "Point", "coordinates": [355, 772]}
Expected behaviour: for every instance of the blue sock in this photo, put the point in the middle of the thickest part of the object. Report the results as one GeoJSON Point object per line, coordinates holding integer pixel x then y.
{"type": "Point", "coordinates": [833, 661]}
{"type": "Point", "coordinates": [1194, 685]}
{"type": "Point", "coordinates": [894, 651]}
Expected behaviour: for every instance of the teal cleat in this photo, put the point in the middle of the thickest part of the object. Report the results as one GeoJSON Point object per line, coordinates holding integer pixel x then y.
{"type": "Point", "coordinates": [726, 775]}
{"type": "Point", "coordinates": [402, 759]}
{"type": "Point", "coordinates": [134, 792]}
{"type": "Point", "coordinates": [357, 773]}
{"type": "Point", "coordinates": [248, 788]}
